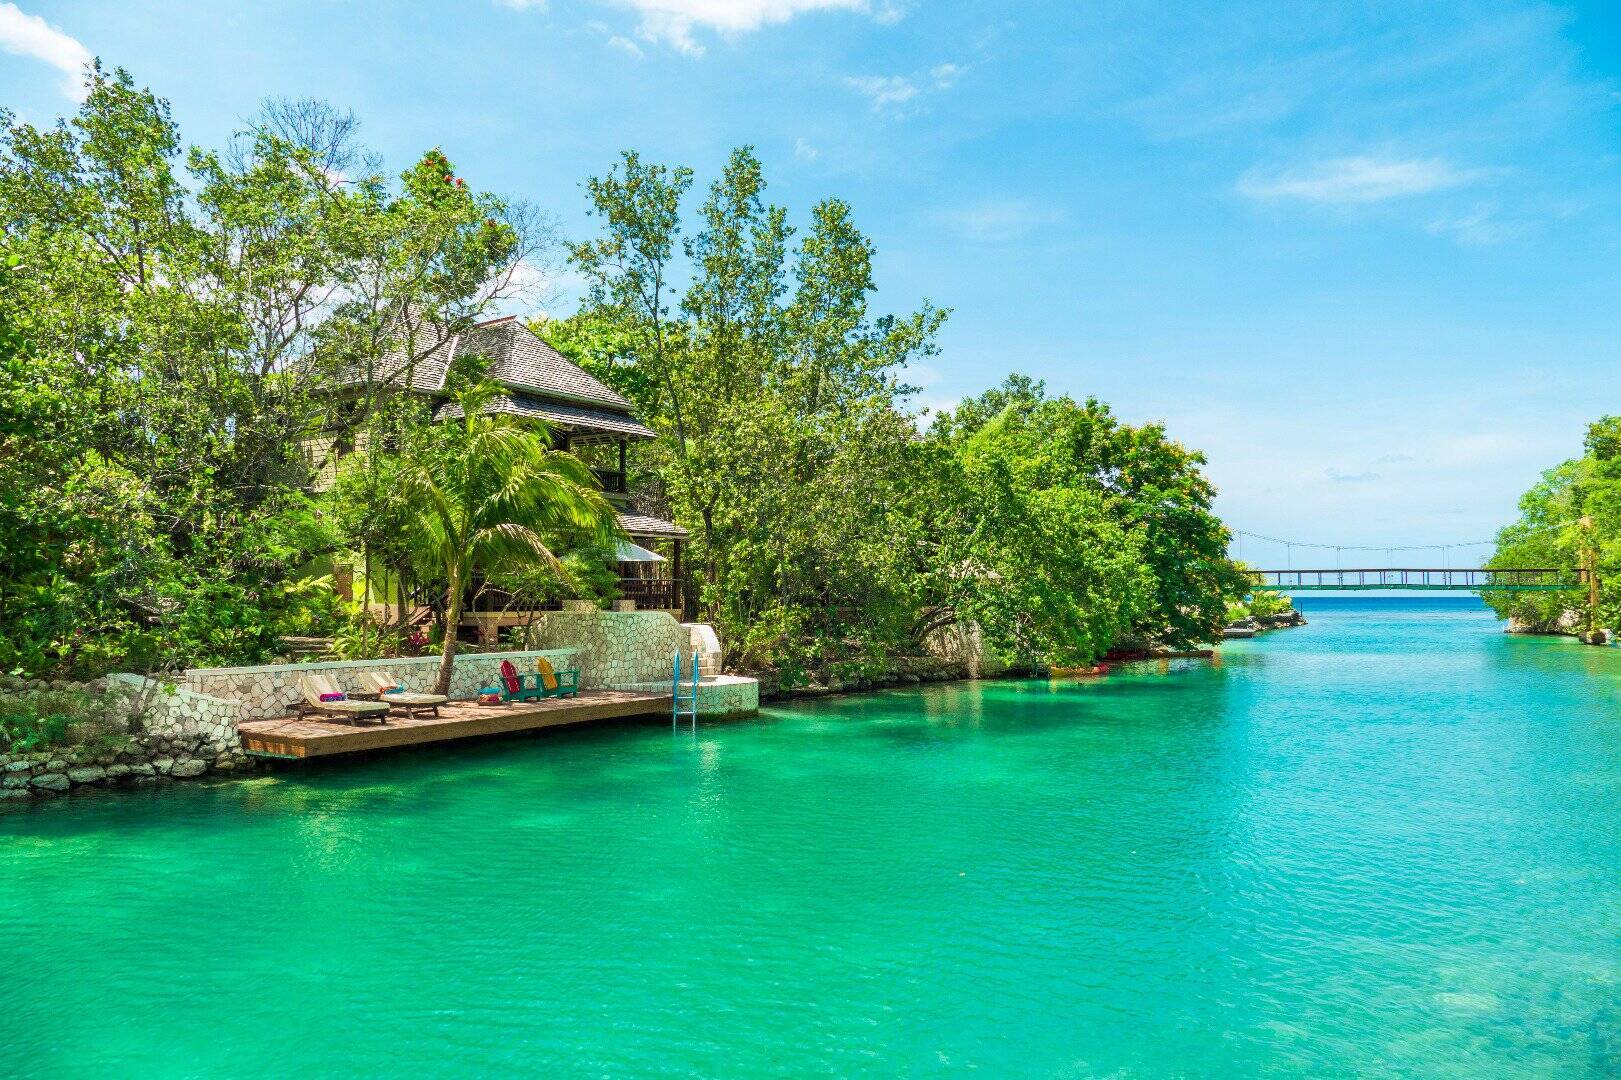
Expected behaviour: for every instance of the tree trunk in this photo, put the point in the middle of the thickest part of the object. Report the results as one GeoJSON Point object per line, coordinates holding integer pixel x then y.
{"type": "Point", "coordinates": [453, 621]}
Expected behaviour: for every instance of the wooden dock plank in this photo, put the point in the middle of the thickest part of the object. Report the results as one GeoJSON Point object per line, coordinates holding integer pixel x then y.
{"type": "Point", "coordinates": [290, 737]}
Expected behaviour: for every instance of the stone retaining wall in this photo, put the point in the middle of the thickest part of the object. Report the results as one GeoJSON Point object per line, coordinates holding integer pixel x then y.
{"type": "Point", "coordinates": [190, 729]}
{"type": "Point", "coordinates": [168, 733]}
{"type": "Point", "coordinates": [614, 648]}
{"type": "Point", "coordinates": [718, 696]}
{"type": "Point", "coordinates": [271, 690]}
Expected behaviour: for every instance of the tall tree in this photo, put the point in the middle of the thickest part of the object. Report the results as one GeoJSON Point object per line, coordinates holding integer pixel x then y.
{"type": "Point", "coordinates": [483, 491]}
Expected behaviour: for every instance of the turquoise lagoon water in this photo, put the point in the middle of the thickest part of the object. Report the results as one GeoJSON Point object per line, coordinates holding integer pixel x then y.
{"type": "Point", "coordinates": [1386, 844]}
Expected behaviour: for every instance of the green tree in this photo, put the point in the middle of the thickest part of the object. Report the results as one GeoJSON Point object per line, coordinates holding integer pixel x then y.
{"type": "Point", "coordinates": [777, 396]}
{"type": "Point", "coordinates": [1571, 518]}
{"type": "Point", "coordinates": [1149, 486]}
{"type": "Point", "coordinates": [194, 318]}
{"type": "Point", "coordinates": [484, 492]}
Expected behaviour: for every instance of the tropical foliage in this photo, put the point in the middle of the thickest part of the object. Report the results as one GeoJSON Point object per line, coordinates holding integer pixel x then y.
{"type": "Point", "coordinates": [1570, 518]}
{"type": "Point", "coordinates": [190, 338]}
{"type": "Point", "coordinates": [827, 526]}
{"type": "Point", "coordinates": [487, 493]}
{"type": "Point", "coordinates": [173, 322]}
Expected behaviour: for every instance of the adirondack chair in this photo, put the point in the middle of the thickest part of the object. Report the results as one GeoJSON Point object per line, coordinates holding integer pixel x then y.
{"type": "Point", "coordinates": [516, 687]}
{"type": "Point", "coordinates": [565, 683]}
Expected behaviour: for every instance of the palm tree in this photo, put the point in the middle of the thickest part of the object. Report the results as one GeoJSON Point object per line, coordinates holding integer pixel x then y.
{"type": "Point", "coordinates": [484, 491]}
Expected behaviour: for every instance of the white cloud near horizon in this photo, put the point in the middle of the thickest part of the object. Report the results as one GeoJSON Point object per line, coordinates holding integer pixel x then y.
{"type": "Point", "coordinates": [804, 151]}
{"type": "Point", "coordinates": [29, 35]}
{"type": "Point", "coordinates": [672, 22]}
{"type": "Point", "coordinates": [1356, 179]}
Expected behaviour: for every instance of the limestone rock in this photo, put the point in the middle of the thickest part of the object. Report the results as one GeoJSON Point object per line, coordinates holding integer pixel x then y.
{"type": "Point", "coordinates": [87, 775]}
{"type": "Point", "coordinates": [188, 767]}
{"type": "Point", "coordinates": [52, 782]}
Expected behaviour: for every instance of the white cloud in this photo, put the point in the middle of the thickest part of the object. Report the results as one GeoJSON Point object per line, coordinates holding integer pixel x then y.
{"type": "Point", "coordinates": [523, 5]}
{"type": "Point", "coordinates": [1360, 179]}
{"type": "Point", "coordinates": [902, 94]}
{"type": "Point", "coordinates": [888, 93]}
{"type": "Point", "coordinates": [625, 45]}
{"type": "Point", "coordinates": [804, 151]}
{"type": "Point", "coordinates": [1481, 227]}
{"type": "Point", "coordinates": [32, 36]}
{"type": "Point", "coordinates": [998, 221]}
{"type": "Point", "coordinates": [673, 21]}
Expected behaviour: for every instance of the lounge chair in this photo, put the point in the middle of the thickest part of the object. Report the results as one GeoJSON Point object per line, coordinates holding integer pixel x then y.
{"type": "Point", "coordinates": [315, 687]}
{"type": "Point", "coordinates": [391, 690]}
{"type": "Point", "coordinates": [565, 683]}
{"type": "Point", "coordinates": [515, 687]}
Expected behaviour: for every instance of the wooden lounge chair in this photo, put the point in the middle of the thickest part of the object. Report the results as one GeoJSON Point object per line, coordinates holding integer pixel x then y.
{"type": "Point", "coordinates": [313, 687]}
{"type": "Point", "coordinates": [391, 690]}
{"type": "Point", "coordinates": [516, 687]}
{"type": "Point", "coordinates": [565, 683]}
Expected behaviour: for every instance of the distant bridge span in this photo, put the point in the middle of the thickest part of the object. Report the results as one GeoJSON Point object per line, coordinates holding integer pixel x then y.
{"type": "Point", "coordinates": [1528, 580]}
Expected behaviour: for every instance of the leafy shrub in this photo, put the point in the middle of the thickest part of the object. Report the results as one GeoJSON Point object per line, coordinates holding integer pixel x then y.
{"type": "Point", "coordinates": [48, 719]}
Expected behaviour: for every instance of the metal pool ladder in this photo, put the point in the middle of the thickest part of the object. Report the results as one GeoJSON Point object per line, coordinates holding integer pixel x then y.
{"type": "Point", "coordinates": [684, 704]}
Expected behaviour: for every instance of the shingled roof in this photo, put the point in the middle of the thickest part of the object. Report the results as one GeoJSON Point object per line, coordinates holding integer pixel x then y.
{"type": "Point", "coordinates": [640, 525]}
{"type": "Point", "coordinates": [543, 382]}
{"type": "Point", "coordinates": [570, 419]}
{"type": "Point", "coordinates": [519, 359]}
{"type": "Point", "coordinates": [425, 375]}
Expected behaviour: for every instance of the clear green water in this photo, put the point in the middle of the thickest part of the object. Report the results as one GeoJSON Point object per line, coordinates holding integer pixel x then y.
{"type": "Point", "coordinates": [1384, 845]}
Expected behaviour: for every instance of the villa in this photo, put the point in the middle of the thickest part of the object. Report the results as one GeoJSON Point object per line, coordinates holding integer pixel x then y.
{"type": "Point", "coordinates": [584, 416]}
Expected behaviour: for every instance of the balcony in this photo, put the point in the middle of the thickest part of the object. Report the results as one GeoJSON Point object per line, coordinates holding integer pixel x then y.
{"type": "Point", "coordinates": [612, 480]}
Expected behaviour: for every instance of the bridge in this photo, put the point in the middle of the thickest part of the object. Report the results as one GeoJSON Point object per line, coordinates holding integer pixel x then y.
{"type": "Point", "coordinates": [1543, 579]}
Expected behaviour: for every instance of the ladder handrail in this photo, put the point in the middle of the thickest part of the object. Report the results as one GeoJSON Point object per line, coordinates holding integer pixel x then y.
{"type": "Point", "coordinates": [677, 698]}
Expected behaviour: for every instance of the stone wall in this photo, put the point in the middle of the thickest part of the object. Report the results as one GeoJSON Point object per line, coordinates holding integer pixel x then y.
{"type": "Point", "coordinates": [272, 690]}
{"type": "Point", "coordinates": [614, 648]}
{"type": "Point", "coordinates": [718, 695]}
{"type": "Point", "coordinates": [166, 733]}
{"type": "Point", "coordinates": [189, 729]}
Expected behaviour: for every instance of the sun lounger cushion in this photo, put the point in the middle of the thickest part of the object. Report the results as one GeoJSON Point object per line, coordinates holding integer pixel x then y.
{"type": "Point", "coordinates": [406, 697]}
{"type": "Point", "coordinates": [334, 697]}
{"type": "Point", "coordinates": [369, 708]}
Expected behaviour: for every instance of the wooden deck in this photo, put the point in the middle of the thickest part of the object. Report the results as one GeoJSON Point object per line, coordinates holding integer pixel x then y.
{"type": "Point", "coordinates": [289, 737]}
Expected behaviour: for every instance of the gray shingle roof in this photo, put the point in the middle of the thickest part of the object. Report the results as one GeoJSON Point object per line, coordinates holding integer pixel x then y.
{"type": "Point", "coordinates": [566, 418]}
{"type": "Point", "coordinates": [545, 383]}
{"type": "Point", "coordinates": [522, 361]}
{"type": "Point", "coordinates": [642, 525]}
{"type": "Point", "coordinates": [426, 375]}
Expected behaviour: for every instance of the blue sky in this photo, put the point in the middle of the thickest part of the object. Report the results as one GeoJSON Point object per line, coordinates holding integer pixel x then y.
{"type": "Point", "coordinates": [1368, 257]}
